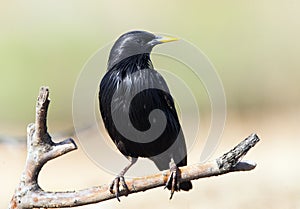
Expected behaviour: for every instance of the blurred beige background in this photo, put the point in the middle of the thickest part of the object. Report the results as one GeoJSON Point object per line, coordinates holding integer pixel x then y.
{"type": "Point", "coordinates": [253, 45]}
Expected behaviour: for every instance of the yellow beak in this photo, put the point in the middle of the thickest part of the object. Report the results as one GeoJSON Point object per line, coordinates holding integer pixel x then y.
{"type": "Point", "coordinates": [165, 39]}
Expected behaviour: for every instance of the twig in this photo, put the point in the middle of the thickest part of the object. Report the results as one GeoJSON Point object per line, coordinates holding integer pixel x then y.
{"type": "Point", "coordinates": [41, 149]}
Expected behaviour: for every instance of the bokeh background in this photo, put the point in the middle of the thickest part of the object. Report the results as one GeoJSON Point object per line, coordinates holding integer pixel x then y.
{"type": "Point", "coordinates": [254, 47]}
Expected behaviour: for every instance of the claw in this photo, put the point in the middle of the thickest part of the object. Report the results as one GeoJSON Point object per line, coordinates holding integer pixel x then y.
{"type": "Point", "coordinates": [173, 182]}
{"type": "Point", "coordinates": [114, 187]}
{"type": "Point", "coordinates": [124, 185]}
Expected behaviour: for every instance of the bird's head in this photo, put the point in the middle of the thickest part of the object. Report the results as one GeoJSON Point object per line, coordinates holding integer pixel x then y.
{"type": "Point", "coordinates": [134, 43]}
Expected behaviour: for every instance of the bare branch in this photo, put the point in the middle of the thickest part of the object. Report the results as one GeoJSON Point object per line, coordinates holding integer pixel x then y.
{"type": "Point", "coordinates": [40, 149]}
{"type": "Point", "coordinates": [41, 113]}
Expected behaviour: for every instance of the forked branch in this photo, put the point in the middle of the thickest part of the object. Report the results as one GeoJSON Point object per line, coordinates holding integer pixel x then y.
{"type": "Point", "coordinates": [41, 149]}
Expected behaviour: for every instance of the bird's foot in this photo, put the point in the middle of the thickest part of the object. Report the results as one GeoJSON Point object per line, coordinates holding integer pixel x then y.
{"type": "Point", "coordinates": [173, 182]}
{"type": "Point", "coordinates": [114, 187]}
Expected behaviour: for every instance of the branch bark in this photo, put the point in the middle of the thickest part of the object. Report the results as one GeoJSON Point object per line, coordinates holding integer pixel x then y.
{"type": "Point", "coordinates": [41, 149]}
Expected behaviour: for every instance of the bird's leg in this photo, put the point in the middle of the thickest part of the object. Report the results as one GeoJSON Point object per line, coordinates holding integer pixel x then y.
{"type": "Point", "coordinates": [174, 178]}
{"type": "Point", "coordinates": [115, 184]}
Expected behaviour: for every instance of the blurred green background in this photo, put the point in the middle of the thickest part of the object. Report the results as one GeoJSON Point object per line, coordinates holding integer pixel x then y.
{"type": "Point", "coordinates": [254, 46]}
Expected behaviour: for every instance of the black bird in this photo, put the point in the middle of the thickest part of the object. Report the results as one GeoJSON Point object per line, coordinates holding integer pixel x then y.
{"type": "Point", "coordinates": [130, 92]}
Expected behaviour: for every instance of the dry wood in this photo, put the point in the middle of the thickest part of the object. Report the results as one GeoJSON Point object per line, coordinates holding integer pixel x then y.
{"type": "Point", "coordinates": [41, 149]}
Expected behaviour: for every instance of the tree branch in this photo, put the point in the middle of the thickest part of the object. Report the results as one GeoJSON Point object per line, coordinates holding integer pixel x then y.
{"type": "Point", "coordinates": [41, 149]}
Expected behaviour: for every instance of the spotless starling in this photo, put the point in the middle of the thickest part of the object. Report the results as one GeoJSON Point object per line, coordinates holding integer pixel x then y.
{"type": "Point", "coordinates": [138, 110]}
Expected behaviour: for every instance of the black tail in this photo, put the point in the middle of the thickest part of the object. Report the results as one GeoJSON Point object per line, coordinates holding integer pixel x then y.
{"type": "Point", "coordinates": [186, 186]}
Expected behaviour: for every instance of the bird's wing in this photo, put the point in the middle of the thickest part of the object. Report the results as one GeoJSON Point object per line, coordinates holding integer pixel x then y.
{"type": "Point", "coordinates": [156, 95]}
{"type": "Point", "coordinates": [137, 95]}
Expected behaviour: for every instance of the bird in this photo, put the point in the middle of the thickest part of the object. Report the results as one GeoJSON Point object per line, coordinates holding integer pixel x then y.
{"type": "Point", "coordinates": [129, 93]}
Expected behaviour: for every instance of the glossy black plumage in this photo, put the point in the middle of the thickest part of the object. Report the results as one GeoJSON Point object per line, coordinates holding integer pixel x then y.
{"type": "Point", "coordinates": [131, 86]}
